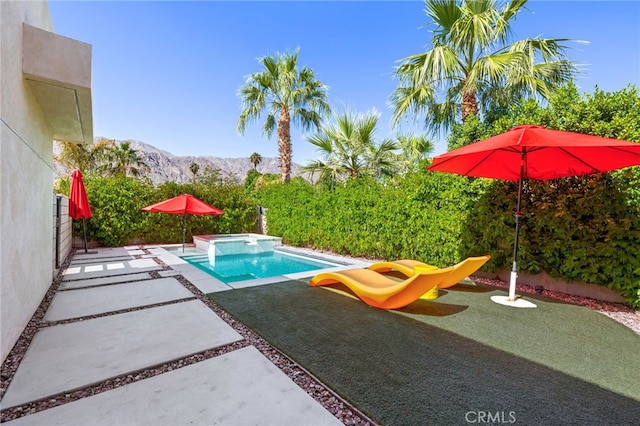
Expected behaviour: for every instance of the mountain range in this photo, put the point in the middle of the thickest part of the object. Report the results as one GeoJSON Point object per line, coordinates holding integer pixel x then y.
{"type": "Point", "coordinates": [168, 167]}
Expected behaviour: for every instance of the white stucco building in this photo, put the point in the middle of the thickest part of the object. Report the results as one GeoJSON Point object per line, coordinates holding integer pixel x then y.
{"type": "Point", "coordinates": [45, 94]}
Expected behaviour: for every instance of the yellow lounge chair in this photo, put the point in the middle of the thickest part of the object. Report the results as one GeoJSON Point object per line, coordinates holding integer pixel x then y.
{"type": "Point", "coordinates": [382, 292]}
{"type": "Point", "coordinates": [408, 267]}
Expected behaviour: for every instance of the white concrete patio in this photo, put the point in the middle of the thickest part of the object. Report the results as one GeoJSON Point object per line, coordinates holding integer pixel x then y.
{"type": "Point", "coordinates": [112, 317]}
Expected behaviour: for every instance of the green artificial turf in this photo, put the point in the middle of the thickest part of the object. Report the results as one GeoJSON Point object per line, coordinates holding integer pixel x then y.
{"type": "Point", "coordinates": [454, 360]}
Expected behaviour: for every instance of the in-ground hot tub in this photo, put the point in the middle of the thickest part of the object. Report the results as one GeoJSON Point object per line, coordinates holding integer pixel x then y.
{"type": "Point", "coordinates": [225, 244]}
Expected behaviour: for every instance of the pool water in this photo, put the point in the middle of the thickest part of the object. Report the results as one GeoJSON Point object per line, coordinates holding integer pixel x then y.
{"type": "Point", "coordinates": [232, 268]}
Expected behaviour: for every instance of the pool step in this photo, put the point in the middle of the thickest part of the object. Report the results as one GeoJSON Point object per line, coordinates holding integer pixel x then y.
{"type": "Point", "coordinates": [241, 277]}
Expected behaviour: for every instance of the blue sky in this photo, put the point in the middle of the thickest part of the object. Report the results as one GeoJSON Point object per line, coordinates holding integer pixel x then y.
{"type": "Point", "coordinates": [167, 73]}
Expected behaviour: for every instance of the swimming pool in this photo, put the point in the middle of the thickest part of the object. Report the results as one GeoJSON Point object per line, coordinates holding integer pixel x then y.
{"type": "Point", "coordinates": [231, 268]}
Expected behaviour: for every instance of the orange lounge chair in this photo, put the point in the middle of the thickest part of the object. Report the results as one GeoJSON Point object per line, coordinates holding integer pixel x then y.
{"type": "Point", "coordinates": [408, 267]}
{"type": "Point", "coordinates": [382, 292]}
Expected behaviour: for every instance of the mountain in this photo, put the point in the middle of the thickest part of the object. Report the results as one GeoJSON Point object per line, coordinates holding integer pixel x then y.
{"type": "Point", "coordinates": [168, 167]}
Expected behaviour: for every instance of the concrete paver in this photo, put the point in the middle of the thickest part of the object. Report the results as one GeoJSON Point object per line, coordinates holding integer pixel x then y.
{"type": "Point", "coordinates": [237, 388]}
{"type": "Point", "coordinates": [116, 297]}
{"type": "Point", "coordinates": [158, 251]}
{"type": "Point", "coordinates": [136, 252]}
{"type": "Point", "coordinates": [169, 273]}
{"type": "Point", "coordinates": [101, 253]}
{"type": "Point", "coordinates": [258, 281]}
{"type": "Point", "coordinates": [186, 267]}
{"type": "Point", "coordinates": [210, 285]}
{"type": "Point", "coordinates": [204, 282]}
{"type": "Point", "coordinates": [64, 285]}
{"type": "Point", "coordinates": [85, 271]}
{"type": "Point", "coordinates": [88, 260]}
{"type": "Point", "coordinates": [78, 354]}
{"type": "Point", "coordinates": [172, 260]}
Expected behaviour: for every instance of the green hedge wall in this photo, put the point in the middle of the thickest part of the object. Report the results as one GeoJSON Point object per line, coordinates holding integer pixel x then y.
{"type": "Point", "coordinates": [116, 204]}
{"type": "Point", "coordinates": [578, 229]}
{"type": "Point", "coordinates": [421, 218]}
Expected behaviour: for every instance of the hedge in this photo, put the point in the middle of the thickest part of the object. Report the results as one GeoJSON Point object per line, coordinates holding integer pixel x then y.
{"type": "Point", "coordinates": [576, 229]}
{"type": "Point", "coordinates": [116, 204]}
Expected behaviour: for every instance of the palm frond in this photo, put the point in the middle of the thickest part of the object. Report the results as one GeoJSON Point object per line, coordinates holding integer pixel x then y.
{"type": "Point", "coordinates": [491, 69]}
{"type": "Point", "coordinates": [444, 14]}
{"type": "Point", "coordinates": [471, 58]}
{"type": "Point", "coordinates": [508, 12]}
{"type": "Point", "coordinates": [475, 29]}
{"type": "Point", "coordinates": [270, 125]}
{"type": "Point", "coordinates": [349, 149]}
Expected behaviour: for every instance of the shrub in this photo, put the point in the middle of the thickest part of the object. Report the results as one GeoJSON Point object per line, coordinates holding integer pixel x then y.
{"type": "Point", "coordinates": [419, 218]}
{"type": "Point", "coordinates": [576, 229]}
{"type": "Point", "coordinates": [118, 219]}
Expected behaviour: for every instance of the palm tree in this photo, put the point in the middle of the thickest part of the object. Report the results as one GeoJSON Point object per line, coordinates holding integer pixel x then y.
{"type": "Point", "coordinates": [349, 149]}
{"type": "Point", "coordinates": [194, 169]}
{"type": "Point", "coordinates": [255, 160]}
{"type": "Point", "coordinates": [413, 150]}
{"type": "Point", "coordinates": [288, 94]}
{"type": "Point", "coordinates": [123, 160]}
{"type": "Point", "coordinates": [86, 158]}
{"type": "Point", "coordinates": [472, 65]}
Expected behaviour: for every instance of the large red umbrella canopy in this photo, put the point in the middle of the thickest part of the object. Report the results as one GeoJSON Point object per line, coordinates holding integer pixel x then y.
{"type": "Point", "coordinates": [79, 207]}
{"type": "Point", "coordinates": [535, 152]}
{"type": "Point", "coordinates": [184, 204]}
{"type": "Point", "coordinates": [547, 154]}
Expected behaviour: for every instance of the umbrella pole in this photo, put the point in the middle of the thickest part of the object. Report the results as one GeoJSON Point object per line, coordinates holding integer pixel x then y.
{"type": "Point", "coordinates": [184, 230]}
{"type": "Point", "coordinates": [518, 216]}
{"type": "Point", "coordinates": [514, 269]}
{"type": "Point", "coordinates": [84, 233]}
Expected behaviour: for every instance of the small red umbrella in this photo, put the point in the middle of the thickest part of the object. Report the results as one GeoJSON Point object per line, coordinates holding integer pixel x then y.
{"type": "Point", "coordinates": [535, 152]}
{"type": "Point", "coordinates": [79, 207]}
{"type": "Point", "coordinates": [184, 204]}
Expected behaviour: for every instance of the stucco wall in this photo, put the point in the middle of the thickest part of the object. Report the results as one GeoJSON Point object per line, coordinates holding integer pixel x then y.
{"type": "Point", "coordinates": [64, 234]}
{"type": "Point", "coordinates": [26, 179]}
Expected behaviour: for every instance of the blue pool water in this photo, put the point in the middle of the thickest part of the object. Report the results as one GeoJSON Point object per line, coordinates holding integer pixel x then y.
{"type": "Point", "coordinates": [240, 267]}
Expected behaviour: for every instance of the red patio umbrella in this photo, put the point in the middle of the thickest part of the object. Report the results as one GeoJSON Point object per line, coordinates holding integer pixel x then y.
{"type": "Point", "coordinates": [535, 152]}
{"type": "Point", "coordinates": [79, 207]}
{"type": "Point", "coordinates": [184, 204]}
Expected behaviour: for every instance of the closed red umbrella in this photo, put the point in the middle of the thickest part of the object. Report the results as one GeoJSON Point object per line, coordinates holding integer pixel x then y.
{"type": "Point", "coordinates": [79, 207]}
{"type": "Point", "coordinates": [535, 152]}
{"type": "Point", "coordinates": [184, 204]}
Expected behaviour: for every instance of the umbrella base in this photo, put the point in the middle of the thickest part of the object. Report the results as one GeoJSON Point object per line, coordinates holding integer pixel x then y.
{"type": "Point", "coordinates": [515, 303]}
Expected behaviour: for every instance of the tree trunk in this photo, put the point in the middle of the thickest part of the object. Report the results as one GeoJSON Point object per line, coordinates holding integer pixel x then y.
{"type": "Point", "coordinates": [284, 143]}
{"type": "Point", "coordinates": [469, 104]}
